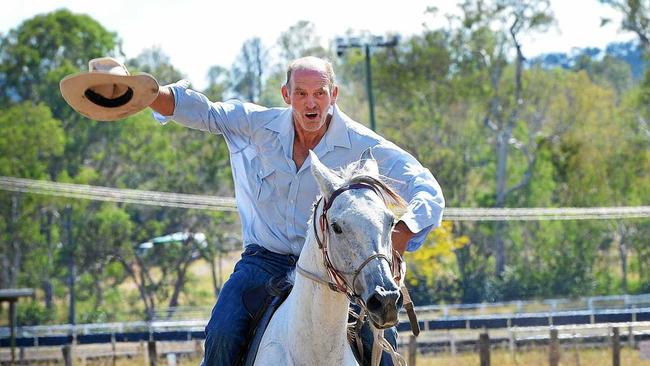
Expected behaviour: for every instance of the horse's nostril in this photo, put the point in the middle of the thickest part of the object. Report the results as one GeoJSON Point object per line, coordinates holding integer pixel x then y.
{"type": "Point", "coordinates": [374, 303]}
{"type": "Point", "coordinates": [384, 300]}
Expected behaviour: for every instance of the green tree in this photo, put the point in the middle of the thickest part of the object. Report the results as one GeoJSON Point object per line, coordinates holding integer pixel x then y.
{"type": "Point", "coordinates": [41, 49]}
{"type": "Point", "coordinates": [248, 70]}
{"type": "Point", "coordinates": [507, 102]}
{"type": "Point", "coordinates": [298, 41]}
{"type": "Point", "coordinates": [636, 18]}
{"type": "Point", "coordinates": [154, 61]}
{"type": "Point", "coordinates": [29, 138]}
{"type": "Point", "coordinates": [218, 83]}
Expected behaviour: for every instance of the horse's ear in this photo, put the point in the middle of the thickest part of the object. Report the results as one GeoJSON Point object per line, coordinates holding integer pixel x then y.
{"type": "Point", "coordinates": [327, 180]}
{"type": "Point", "coordinates": [368, 164]}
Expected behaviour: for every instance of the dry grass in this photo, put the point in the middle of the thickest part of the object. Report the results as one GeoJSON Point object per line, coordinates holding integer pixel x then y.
{"type": "Point", "coordinates": [538, 357]}
{"type": "Point", "coordinates": [532, 357]}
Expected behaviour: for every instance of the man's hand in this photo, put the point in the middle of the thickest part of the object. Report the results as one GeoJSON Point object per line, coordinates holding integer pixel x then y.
{"type": "Point", "coordinates": [164, 102]}
{"type": "Point", "coordinates": [401, 236]}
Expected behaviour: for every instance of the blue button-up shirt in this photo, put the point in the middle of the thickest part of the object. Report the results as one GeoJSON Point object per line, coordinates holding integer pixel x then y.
{"type": "Point", "coordinates": [274, 198]}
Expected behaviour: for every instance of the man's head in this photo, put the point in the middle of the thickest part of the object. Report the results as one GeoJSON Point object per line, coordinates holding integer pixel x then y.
{"type": "Point", "coordinates": [310, 90]}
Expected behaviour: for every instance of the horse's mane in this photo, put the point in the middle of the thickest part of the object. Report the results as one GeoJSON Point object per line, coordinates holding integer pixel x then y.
{"type": "Point", "coordinates": [352, 174]}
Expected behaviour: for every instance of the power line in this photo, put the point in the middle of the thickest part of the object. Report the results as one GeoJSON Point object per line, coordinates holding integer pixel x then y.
{"type": "Point", "coordinates": [216, 203]}
{"type": "Point", "coordinates": [152, 198]}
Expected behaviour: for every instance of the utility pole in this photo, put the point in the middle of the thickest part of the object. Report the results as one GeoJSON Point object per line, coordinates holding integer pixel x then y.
{"type": "Point", "coordinates": [366, 43]}
{"type": "Point", "coordinates": [72, 266]}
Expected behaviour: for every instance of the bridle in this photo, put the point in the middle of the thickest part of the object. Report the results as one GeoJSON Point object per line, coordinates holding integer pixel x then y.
{"type": "Point", "coordinates": [337, 282]}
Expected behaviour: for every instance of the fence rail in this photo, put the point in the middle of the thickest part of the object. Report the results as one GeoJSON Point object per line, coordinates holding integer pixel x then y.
{"type": "Point", "coordinates": [193, 329]}
{"type": "Point", "coordinates": [430, 312]}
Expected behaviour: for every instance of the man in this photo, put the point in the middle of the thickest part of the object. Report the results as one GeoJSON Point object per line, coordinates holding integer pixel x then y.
{"type": "Point", "coordinates": [274, 188]}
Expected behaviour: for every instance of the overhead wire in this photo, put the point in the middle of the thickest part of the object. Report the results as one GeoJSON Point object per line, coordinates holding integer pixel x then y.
{"type": "Point", "coordinates": [218, 203]}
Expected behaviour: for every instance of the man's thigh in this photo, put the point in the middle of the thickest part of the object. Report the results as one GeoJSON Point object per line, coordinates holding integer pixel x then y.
{"type": "Point", "coordinates": [257, 267]}
{"type": "Point", "coordinates": [229, 312]}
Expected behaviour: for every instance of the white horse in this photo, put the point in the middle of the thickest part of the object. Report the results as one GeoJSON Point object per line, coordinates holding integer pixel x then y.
{"type": "Point", "coordinates": [349, 233]}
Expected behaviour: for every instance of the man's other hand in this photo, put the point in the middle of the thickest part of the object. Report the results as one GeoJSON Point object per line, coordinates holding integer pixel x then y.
{"type": "Point", "coordinates": [401, 236]}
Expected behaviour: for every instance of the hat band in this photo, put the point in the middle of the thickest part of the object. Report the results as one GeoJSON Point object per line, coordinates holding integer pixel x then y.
{"type": "Point", "coordinates": [109, 103]}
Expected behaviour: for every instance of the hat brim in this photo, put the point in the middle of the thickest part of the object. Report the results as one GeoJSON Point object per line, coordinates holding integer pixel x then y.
{"type": "Point", "coordinates": [143, 86]}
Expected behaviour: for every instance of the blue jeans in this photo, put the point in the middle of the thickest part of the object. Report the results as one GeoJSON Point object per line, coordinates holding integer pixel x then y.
{"type": "Point", "coordinates": [228, 329]}
{"type": "Point", "coordinates": [367, 340]}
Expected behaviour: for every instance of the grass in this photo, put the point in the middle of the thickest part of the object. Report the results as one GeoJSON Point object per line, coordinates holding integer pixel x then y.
{"type": "Point", "coordinates": [536, 357]}
{"type": "Point", "coordinates": [190, 354]}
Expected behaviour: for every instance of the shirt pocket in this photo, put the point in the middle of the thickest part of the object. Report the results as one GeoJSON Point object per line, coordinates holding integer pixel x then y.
{"type": "Point", "coordinates": [265, 184]}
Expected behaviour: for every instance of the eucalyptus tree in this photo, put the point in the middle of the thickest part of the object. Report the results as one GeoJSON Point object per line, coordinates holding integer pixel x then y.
{"type": "Point", "coordinates": [29, 138]}
{"type": "Point", "coordinates": [248, 70]}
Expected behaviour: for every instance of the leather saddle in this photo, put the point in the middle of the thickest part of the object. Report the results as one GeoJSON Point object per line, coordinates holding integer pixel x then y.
{"type": "Point", "coordinates": [261, 303]}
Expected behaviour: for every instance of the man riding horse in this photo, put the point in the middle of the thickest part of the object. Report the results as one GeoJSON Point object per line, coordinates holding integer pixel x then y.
{"type": "Point", "coordinates": [269, 149]}
{"type": "Point", "coordinates": [274, 189]}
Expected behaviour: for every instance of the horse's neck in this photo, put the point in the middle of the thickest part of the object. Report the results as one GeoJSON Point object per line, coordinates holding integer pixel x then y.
{"type": "Point", "coordinates": [320, 314]}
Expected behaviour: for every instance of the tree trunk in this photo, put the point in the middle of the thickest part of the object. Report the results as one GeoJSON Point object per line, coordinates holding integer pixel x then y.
{"type": "Point", "coordinates": [501, 181]}
{"type": "Point", "coordinates": [4, 267]}
{"type": "Point", "coordinates": [140, 283]}
{"type": "Point", "coordinates": [623, 251]}
{"type": "Point", "coordinates": [213, 272]}
{"type": "Point", "coordinates": [48, 288]}
{"type": "Point", "coordinates": [16, 250]}
{"type": "Point", "coordinates": [178, 286]}
{"type": "Point", "coordinates": [99, 290]}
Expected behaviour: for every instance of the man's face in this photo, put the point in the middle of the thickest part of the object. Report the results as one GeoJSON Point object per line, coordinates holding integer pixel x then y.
{"type": "Point", "coordinates": [310, 97]}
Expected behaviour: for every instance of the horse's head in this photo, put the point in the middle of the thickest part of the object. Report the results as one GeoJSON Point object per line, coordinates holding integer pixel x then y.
{"type": "Point", "coordinates": [358, 234]}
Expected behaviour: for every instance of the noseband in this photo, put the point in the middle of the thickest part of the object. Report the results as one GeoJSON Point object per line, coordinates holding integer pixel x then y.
{"type": "Point", "coordinates": [337, 282]}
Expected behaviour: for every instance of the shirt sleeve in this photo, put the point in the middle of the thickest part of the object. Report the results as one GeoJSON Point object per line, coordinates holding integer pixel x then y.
{"type": "Point", "coordinates": [193, 109]}
{"type": "Point", "coordinates": [416, 185]}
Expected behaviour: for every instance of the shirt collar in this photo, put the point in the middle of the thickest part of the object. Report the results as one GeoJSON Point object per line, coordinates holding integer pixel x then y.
{"type": "Point", "coordinates": [337, 133]}
{"type": "Point", "coordinates": [283, 125]}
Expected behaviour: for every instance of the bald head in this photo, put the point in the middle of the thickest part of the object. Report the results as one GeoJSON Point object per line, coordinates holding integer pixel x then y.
{"type": "Point", "coordinates": [311, 63]}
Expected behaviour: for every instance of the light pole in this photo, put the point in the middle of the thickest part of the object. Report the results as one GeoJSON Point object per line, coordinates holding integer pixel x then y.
{"type": "Point", "coordinates": [366, 43]}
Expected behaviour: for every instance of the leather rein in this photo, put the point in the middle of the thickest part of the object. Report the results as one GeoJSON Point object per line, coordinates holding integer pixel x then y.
{"type": "Point", "coordinates": [337, 282]}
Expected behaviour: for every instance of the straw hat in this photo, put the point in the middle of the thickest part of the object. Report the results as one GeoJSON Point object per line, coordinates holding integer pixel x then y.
{"type": "Point", "coordinates": [107, 92]}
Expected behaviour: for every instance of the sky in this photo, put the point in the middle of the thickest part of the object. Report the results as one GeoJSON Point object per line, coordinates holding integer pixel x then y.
{"type": "Point", "coordinates": [198, 34]}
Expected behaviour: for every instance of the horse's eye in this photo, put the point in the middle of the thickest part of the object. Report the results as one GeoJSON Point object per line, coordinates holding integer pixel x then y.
{"type": "Point", "coordinates": [337, 229]}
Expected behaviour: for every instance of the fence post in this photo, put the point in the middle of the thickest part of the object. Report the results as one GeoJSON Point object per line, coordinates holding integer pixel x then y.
{"type": "Point", "coordinates": [452, 342]}
{"type": "Point", "coordinates": [145, 353]}
{"type": "Point", "coordinates": [616, 347]}
{"type": "Point", "coordinates": [554, 349]}
{"type": "Point", "coordinates": [114, 348]}
{"type": "Point", "coordinates": [67, 354]}
{"type": "Point", "coordinates": [512, 345]}
{"type": "Point", "coordinates": [171, 359]}
{"type": "Point", "coordinates": [576, 352]}
{"type": "Point", "coordinates": [153, 356]}
{"type": "Point", "coordinates": [484, 348]}
{"type": "Point", "coordinates": [413, 350]}
{"type": "Point", "coordinates": [630, 337]}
